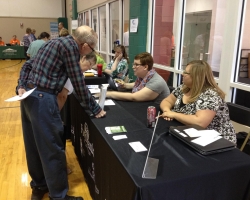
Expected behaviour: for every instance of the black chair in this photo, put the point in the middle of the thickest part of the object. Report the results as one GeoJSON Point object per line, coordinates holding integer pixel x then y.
{"type": "Point", "coordinates": [171, 88]}
{"type": "Point", "coordinates": [240, 115]}
{"type": "Point", "coordinates": [110, 81]}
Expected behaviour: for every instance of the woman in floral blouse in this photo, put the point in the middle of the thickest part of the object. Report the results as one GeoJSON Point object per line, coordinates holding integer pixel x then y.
{"type": "Point", "coordinates": [199, 101]}
{"type": "Point", "coordinates": [118, 66]}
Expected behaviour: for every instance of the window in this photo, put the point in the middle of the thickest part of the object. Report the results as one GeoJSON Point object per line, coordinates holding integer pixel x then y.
{"type": "Point", "coordinates": [94, 24]}
{"type": "Point", "coordinates": [163, 38]}
{"type": "Point", "coordinates": [125, 41]}
{"type": "Point", "coordinates": [114, 25]}
{"type": "Point", "coordinates": [103, 31]}
{"type": "Point", "coordinates": [108, 22]}
{"type": "Point", "coordinates": [86, 18]}
{"type": "Point", "coordinates": [203, 32]}
{"type": "Point", "coordinates": [243, 68]}
{"type": "Point", "coordinates": [163, 32]}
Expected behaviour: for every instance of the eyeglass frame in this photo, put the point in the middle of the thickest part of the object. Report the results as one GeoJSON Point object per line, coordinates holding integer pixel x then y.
{"type": "Point", "coordinates": [92, 49]}
{"type": "Point", "coordinates": [137, 65]}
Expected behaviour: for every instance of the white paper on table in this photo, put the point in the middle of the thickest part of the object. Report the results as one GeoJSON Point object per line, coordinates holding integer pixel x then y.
{"type": "Point", "coordinates": [107, 102]}
{"type": "Point", "coordinates": [192, 132]}
{"type": "Point", "coordinates": [119, 137]}
{"type": "Point", "coordinates": [18, 98]}
{"type": "Point", "coordinates": [137, 146]}
{"type": "Point", "coordinates": [209, 133]}
{"type": "Point", "coordinates": [93, 86]}
{"type": "Point", "coordinates": [205, 140]}
{"type": "Point", "coordinates": [91, 71]}
{"type": "Point", "coordinates": [94, 90]}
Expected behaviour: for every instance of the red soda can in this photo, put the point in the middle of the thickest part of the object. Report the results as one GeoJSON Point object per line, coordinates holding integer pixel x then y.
{"type": "Point", "coordinates": [151, 112]}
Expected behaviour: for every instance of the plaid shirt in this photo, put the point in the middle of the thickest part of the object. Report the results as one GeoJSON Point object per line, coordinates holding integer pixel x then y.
{"type": "Point", "coordinates": [56, 61]}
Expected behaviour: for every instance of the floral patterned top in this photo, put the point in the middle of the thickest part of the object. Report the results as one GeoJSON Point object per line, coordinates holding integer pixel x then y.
{"type": "Point", "coordinates": [121, 69]}
{"type": "Point", "coordinates": [208, 100]}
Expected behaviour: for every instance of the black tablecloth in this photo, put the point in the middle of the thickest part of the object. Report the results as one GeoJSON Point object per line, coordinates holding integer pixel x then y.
{"type": "Point", "coordinates": [66, 118]}
{"type": "Point", "coordinates": [114, 171]}
{"type": "Point", "coordinates": [95, 80]}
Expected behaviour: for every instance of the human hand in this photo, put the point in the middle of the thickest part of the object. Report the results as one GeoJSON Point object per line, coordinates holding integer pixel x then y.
{"type": "Point", "coordinates": [119, 57]}
{"type": "Point", "coordinates": [97, 95]}
{"type": "Point", "coordinates": [121, 83]}
{"type": "Point", "coordinates": [167, 115]}
{"type": "Point", "coordinates": [101, 114]}
{"type": "Point", "coordinates": [21, 91]}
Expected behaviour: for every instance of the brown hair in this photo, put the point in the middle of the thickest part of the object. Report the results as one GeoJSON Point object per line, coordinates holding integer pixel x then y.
{"type": "Point", "coordinates": [28, 30]}
{"type": "Point", "coordinates": [202, 79]}
{"type": "Point", "coordinates": [124, 53]}
{"type": "Point", "coordinates": [145, 59]}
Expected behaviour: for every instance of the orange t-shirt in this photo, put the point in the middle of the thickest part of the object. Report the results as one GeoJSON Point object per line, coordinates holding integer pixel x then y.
{"type": "Point", "coordinates": [15, 42]}
{"type": "Point", "coordinates": [2, 43]}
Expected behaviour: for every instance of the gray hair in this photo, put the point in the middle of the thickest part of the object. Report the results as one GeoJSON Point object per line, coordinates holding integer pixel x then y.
{"type": "Point", "coordinates": [85, 34]}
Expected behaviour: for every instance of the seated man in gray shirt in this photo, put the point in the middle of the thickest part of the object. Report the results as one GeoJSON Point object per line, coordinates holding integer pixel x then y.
{"type": "Point", "coordinates": [149, 85]}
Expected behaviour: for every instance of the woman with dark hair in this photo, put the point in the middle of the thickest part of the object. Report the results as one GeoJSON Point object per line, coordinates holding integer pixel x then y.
{"type": "Point", "coordinates": [199, 101]}
{"type": "Point", "coordinates": [36, 45]}
{"type": "Point", "coordinates": [118, 66]}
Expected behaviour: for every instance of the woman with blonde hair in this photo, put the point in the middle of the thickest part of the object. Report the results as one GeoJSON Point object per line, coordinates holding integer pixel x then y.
{"type": "Point", "coordinates": [63, 32]}
{"type": "Point", "coordinates": [199, 101]}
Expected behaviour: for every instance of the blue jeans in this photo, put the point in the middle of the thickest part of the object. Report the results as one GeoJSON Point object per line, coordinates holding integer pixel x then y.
{"type": "Point", "coordinates": [43, 139]}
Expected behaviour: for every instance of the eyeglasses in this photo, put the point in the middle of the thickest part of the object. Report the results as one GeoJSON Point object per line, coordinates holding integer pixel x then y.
{"type": "Point", "coordinates": [90, 47]}
{"type": "Point", "coordinates": [184, 72]}
{"type": "Point", "coordinates": [136, 64]}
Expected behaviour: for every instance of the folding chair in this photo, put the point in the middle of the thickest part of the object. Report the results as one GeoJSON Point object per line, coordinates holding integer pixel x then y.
{"type": "Point", "coordinates": [240, 115]}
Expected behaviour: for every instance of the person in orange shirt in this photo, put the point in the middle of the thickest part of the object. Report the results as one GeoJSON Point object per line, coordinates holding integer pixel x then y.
{"type": "Point", "coordinates": [1, 42]}
{"type": "Point", "coordinates": [14, 41]}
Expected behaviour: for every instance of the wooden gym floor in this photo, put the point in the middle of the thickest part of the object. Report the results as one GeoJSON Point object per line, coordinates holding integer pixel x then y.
{"type": "Point", "coordinates": [14, 177]}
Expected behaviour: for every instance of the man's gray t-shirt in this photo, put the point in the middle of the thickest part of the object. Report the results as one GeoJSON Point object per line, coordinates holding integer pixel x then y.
{"type": "Point", "coordinates": [158, 85]}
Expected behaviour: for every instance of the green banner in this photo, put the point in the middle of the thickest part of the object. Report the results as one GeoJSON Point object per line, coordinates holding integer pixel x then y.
{"type": "Point", "coordinates": [12, 52]}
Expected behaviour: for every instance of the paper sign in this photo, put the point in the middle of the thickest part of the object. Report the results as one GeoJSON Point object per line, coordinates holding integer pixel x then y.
{"type": "Point", "coordinates": [133, 25]}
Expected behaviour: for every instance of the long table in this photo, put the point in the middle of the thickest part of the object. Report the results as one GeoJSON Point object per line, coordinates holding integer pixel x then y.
{"type": "Point", "coordinates": [113, 170]}
{"type": "Point", "coordinates": [12, 52]}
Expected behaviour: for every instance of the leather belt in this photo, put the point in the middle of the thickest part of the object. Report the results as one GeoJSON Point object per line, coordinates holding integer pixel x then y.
{"type": "Point", "coordinates": [31, 86]}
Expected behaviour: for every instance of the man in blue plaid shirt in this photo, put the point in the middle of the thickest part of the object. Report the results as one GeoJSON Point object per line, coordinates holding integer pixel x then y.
{"type": "Point", "coordinates": [48, 71]}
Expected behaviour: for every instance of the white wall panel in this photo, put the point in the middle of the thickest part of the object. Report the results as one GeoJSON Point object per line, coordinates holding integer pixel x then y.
{"type": "Point", "coordinates": [31, 8]}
